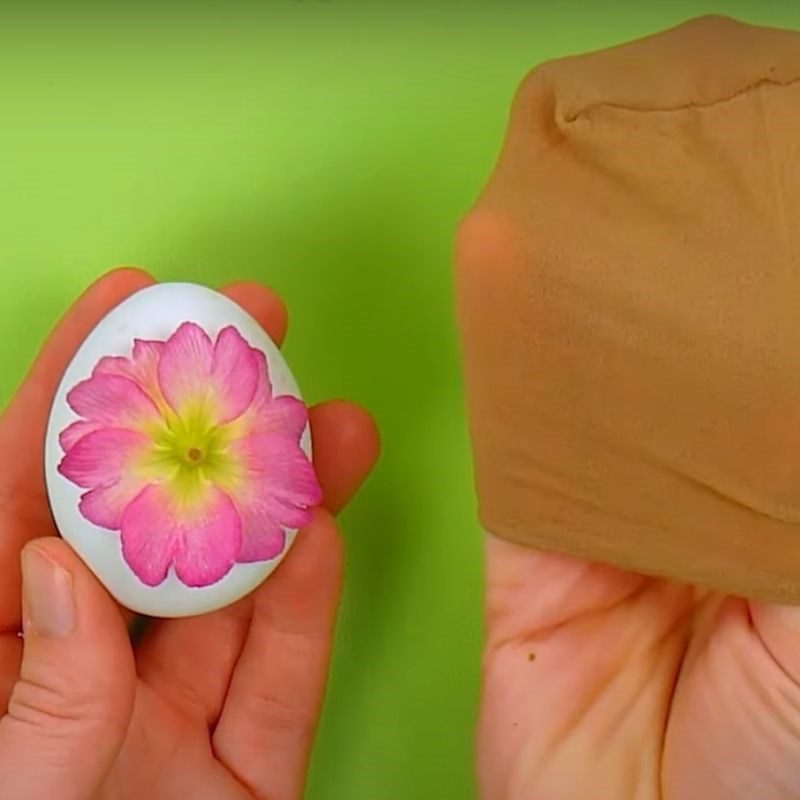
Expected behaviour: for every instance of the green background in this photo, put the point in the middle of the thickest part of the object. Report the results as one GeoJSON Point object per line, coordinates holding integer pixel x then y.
{"type": "Point", "coordinates": [328, 149]}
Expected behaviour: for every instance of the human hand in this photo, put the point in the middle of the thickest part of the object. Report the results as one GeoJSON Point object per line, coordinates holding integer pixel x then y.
{"type": "Point", "coordinates": [220, 706]}
{"type": "Point", "coordinates": [598, 683]}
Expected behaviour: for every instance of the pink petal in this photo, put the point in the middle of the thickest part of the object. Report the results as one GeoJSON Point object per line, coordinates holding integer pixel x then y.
{"type": "Point", "coordinates": [185, 365]}
{"type": "Point", "coordinates": [142, 368]}
{"type": "Point", "coordinates": [263, 393]}
{"type": "Point", "coordinates": [113, 400]}
{"type": "Point", "coordinates": [148, 537]}
{"type": "Point", "coordinates": [279, 489]}
{"type": "Point", "coordinates": [222, 377]}
{"type": "Point", "coordinates": [146, 353]}
{"type": "Point", "coordinates": [76, 431]}
{"type": "Point", "coordinates": [286, 415]}
{"type": "Point", "coordinates": [235, 373]}
{"type": "Point", "coordinates": [262, 540]}
{"type": "Point", "coordinates": [210, 544]}
{"type": "Point", "coordinates": [101, 457]}
{"type": "Point", "coordinates": [278, 461]}
{"type": "Point", "coordinates": [201, 542]}
{"type": "Point", "coordinates": [105, 505]}
{"type": "Point", "coordinates": [114, 365]}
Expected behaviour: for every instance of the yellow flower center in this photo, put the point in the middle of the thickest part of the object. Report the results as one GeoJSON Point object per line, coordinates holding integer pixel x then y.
{"type": "Point", "coordinates": [190, 451]}
{"type": "Point", "coordinates": [194, 455]}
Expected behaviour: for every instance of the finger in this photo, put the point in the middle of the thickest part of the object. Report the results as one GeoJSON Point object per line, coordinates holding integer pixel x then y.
{"type": "Point", "coordinates": [70, 708]}
{"type": "Point", "coordinates": [24, 511]}
{"type": "Point", "coordinates": [345, 448]}
{"type": "Point", "coordinates": [778, 628]}
{"type": "Point", "coordinates": [262, 304]}
{"type": "Point", "coordinates": [10, 660]}
{"type": "Point", "coordinates": [267, 725]}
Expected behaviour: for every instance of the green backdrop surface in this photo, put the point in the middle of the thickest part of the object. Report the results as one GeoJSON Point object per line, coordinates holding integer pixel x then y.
{"type": "Point", "coordinates": [328, 149]}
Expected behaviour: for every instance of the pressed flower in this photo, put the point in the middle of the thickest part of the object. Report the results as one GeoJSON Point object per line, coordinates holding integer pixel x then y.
{"type": "Point", "coordinates": [184, 450]}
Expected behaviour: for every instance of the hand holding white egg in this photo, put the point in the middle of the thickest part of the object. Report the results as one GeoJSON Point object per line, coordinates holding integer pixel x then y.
{"type": "Point", "coordinates": [178, 452]}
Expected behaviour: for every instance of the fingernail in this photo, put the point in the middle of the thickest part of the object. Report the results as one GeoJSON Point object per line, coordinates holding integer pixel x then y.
{"type": "Point", "coordinates": [48, 605]}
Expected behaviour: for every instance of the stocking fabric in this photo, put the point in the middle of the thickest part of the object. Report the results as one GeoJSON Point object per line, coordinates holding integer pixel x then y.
{"type": "Point", "coordinates": [628, 292]}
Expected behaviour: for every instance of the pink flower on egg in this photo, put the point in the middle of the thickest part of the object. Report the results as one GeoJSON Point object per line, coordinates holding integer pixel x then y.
{"type": "Point", "coordinates": [184, 450]}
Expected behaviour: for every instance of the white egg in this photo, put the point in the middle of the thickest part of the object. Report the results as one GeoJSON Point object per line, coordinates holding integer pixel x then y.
{"type": "Point", "coordinates": [154, 313]}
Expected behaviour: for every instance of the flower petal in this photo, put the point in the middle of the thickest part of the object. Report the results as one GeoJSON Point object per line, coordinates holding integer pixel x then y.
{"type": "Point", "coordinates": [69, 437]}
{"type": "Point", "coordinates": [146, 353]}
{"type": "Point", "coordinates": [201, 541]}
{"type": "Point", "coordinates": [279, 462]}
{"type": "Point", "coordinates": [101, 457]}
{"type": "Point", "coordinates": [286, 415]}
{"type": "Point", "coordinates": [263, 392]}
{"type": "Point", "coordinates": [113, 400]}
{"type": "Point", "coordinates": [105, 505]}
{"type": "Point", "coordinates": [278, 489]}
{"type": "Point", "coordinates": [114, 365]}
{"type": "Point", "coordinates": [195, 375]}
{"type": "Point", "coordinates": [235, 374]}
{"type": "Point", "coordinates": [142, 368]}
{"type": "Point", "coordinates": [148, 539]}
{"type": "Point", "coordinates": [210, 544]}
{"type": "Point", "coordinates": [262, 539]}
{"type": "Point", "coordinates": [185, 365]}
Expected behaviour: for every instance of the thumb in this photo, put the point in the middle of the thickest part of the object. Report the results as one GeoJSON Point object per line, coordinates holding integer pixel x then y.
{"type": "Point", "coordinates": [69, 710]}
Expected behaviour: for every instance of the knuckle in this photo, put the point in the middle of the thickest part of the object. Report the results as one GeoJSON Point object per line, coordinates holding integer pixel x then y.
{"type": "Point", "coordinates": [49, 708]}
{"type": "Point", "coordinates": [536, 105]}
{"type": "Point", "coordinates": [530, 86]}
{"type": "Point", "coordinates": [487, 250]}
{"type": "Point", "coordinates": [34, 703]}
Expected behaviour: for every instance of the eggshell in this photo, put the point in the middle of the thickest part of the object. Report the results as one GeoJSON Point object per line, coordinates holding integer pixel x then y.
{"type": "Point", "coordinates": [154, 313]}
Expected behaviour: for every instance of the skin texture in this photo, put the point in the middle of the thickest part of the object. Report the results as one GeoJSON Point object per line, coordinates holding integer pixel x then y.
{"type": "Point", "coordinates": [604, 683]}
{"type": "Point", "coordinates": [222, 706]}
